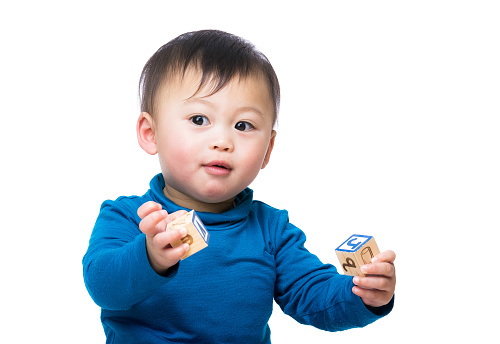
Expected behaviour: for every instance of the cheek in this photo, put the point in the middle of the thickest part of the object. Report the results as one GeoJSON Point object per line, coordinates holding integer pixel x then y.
{"type": "Point", "coordinates": [255, 156]}
{"type": "Point", "coordinates": [175, 153]}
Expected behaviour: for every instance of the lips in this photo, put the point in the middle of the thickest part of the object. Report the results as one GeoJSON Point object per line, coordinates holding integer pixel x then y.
{"type": "Point", "coordinates": [218, 167]}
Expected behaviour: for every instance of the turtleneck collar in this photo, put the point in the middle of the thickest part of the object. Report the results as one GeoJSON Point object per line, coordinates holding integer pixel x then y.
{"type": "Point", "coordinates": [240, 211]}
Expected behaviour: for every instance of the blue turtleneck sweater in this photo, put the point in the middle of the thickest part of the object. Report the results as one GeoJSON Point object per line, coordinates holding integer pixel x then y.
{"type": "Point", "coordinates": [222, 294]}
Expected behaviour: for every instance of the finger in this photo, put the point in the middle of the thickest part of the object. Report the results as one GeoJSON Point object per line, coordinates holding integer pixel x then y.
{"type": "Point", "coordinates": [373, 282]}
{"type": "Point", "coordinates": [154, 223]}
{"type": "Point", "coordinates": [165, 239]}
{"type": "Point", "coordinates": [380, 269]}
{"type": "Point", "coordinates": [374, 298]}
{"type": "Point", "coordinates": [162, 259]}
{"type": "Point", "coordinates": [386, 256]}
{"type": "Point", "coordinates": [147, 208]}
{"type": "Point", "coordinates": [173, 255]}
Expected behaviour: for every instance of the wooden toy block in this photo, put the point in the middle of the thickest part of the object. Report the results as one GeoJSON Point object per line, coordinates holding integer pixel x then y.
{"type": "Point", "coordinates": [356, 251]}
{"type": "Point", "coordinates": [197, 236]}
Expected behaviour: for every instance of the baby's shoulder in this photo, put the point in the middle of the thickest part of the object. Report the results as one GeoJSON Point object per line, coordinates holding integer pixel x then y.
{"type": "Point", "coordinates": [125, 205]}
{"type": "Point", "coordinates": [266, 212]}
{"type": "Point", "coordinates": [272, 221]}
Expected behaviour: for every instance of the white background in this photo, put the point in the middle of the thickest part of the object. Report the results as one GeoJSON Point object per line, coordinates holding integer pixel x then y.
{"type": "Point", "coordinates": [389, 126]}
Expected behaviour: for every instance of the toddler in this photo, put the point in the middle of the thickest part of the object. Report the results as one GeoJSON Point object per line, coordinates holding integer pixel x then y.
{"type": "Point", "coordinates": [209, 103]}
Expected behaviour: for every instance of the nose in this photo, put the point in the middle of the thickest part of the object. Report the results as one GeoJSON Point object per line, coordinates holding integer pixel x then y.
{"type": "Point", "coordinates": [222, 142]}
{"type": "Point", "coordinates": [223, 145]}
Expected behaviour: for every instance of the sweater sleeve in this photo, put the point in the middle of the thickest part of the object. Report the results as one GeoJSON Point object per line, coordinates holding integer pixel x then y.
{"type": "Point", "coordinates": [116, 269]}
{"type": "Point", "coordinates": [314, 293]}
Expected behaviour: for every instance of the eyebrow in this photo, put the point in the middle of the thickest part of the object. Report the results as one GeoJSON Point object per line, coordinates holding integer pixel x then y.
{"type": "Point", "coordinates": [194, 100]}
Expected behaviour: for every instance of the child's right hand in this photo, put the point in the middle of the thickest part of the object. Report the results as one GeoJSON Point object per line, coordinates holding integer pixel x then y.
{"type": "Point", "coordinates": [153, 223]}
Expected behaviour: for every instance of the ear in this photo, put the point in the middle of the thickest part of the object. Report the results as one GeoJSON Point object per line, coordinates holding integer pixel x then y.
{"type": "Point", "coordinates": [146, 133]}
{"type": "Point", "coordinates": [269, 149]}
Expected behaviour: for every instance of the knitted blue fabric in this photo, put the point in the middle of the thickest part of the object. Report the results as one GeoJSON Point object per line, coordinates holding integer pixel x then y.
{"type": "Point", "coordinates": [222, 294]}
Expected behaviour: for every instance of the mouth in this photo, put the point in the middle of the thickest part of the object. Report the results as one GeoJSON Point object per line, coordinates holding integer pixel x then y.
{"type": "Point", "coordinates": [218, 167]}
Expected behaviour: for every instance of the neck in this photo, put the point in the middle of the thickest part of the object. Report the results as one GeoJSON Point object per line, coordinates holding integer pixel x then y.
{"type": "Point", "coordinates": [187, 202]}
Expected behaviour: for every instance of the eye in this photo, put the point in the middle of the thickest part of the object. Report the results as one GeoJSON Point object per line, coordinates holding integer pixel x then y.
{"type": "Point", "coordinates": [244, 126]}
{"type": "Point", "coordinates": [199, 120]}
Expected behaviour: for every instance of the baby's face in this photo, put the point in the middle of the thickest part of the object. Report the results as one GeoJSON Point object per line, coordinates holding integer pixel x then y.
{"type": "Point", "coordinates": [212, 147]}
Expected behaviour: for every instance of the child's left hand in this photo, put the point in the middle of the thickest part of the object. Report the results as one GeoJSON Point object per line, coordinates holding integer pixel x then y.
{"type": "Point", "coordinates": [377, 288]}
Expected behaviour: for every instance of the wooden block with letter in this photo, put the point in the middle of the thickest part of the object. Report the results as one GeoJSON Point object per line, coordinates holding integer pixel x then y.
{"type": "Point", "coordinates": [197, 235]}
{"type": "Point", "coordinates": [356, 251]}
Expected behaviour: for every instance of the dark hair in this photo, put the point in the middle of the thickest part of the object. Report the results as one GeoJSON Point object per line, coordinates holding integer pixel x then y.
{"type": "Point", "coordinates": [221, 56]}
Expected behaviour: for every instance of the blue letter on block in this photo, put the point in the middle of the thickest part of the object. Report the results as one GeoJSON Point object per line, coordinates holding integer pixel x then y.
{"type": "Point", "coordinates": [353, 243]}
{"type": "Point", "coordinates": [201, 229]}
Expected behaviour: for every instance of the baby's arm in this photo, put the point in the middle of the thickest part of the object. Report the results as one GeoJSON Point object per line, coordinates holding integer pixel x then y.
{"type": "Point", "coordinates": [153, 223]}
{"type": "Point", "coordinates": [377, 288]}
{"type": "Point", "coordinates": [314, 293]}
{"type": "Point", "coordinates": [116, 267]}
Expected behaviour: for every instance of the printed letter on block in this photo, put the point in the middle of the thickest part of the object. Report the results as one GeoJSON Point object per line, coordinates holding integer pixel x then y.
{"type": "Point", "coordinates": [356, 251]}
{"type": "Point", "coordinates": [197, 236]}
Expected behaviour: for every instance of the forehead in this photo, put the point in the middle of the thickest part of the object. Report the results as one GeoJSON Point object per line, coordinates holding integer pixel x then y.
{"type": "Point", "coordinates": [181, 87]}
